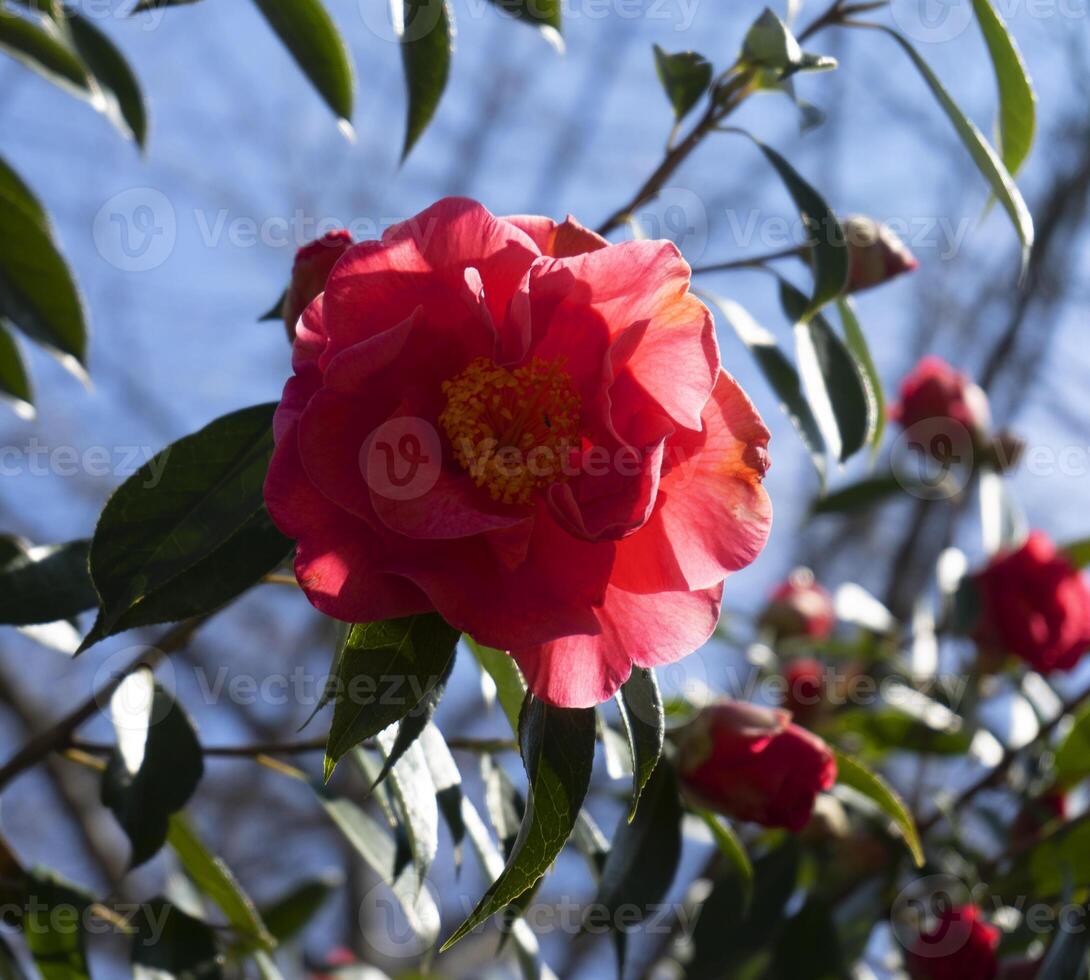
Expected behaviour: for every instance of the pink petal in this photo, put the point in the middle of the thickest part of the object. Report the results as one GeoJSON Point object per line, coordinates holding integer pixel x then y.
{"type": "Point", "coordinates": [559, 241]}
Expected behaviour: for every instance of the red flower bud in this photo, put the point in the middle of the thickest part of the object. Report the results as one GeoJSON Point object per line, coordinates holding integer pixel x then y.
{"type": "Point", "coordinates": [805, 693]}
{"type": "Point", "coordinates": [875, 253]}
{"type": "Point", "coordinates": [935, 390]}
{"type": "Point", "coordinates": [1034, 604]}
{"type": "Point", "coordinates": [958, 946]}
{"type": "Point", "coordinates": [799, 607]}
{"type": "Point", "coordinates": [313, 263]}
{"type": "Point", "coordinates": [1036, 814]}
{"type": "Point", "coordinates": [751, 763]}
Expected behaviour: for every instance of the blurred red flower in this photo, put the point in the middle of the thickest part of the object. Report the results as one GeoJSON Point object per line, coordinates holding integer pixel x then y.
{"type": "Point", "coordinates": [1034, 604]}
{"type": "Point", "coordinates": [935, 390]}
{"type": "Point", "coordinates": [799, 607]}
{"type": "Point", "coordinates": [751, 763]}
{"type": "Point", "coordinates": [958, 946]}
{"type": "Point", "coordinates": [526, 429]}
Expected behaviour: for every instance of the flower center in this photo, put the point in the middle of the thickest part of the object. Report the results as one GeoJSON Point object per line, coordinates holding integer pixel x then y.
{"type": "Point", "coordinates": [512, 431]}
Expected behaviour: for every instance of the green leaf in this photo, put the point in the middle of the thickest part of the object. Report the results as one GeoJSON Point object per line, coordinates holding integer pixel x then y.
{"type": "Point", "coordinates": [644, 858]}
{"type": "Point", "coordinates": [426, 47]}
{"type": "Point", "coordinates": [188, 531]}
{"type": "Point", "coordinates": [857, 345]}
{"type": "Point", "coordinates": [828, 370]}
{"type": "Point", "coordinates": [809, 947]}
{"type": "Point", "coordinates": [377, 848]}
{"type": "Point", "coordinates": [14, 379]}
{"type": "Point", "coordinates": [276, 311]}
{"type": "Point", "coordinates": [540, 13]}
{"type": "Point", "coordinates": [770, 46]}
{"type": "Point", "coordinates": [448, 784]}
{"type": "Point", "coordinates": [986, 159]}
{"type": "Point", "coordinates": [382, 672]}
{"type": "Point", "coordinates": [860, 495]}
{"type": "Point", "coordinates": [288, 915]}
{"type": "Point", "coordinates": [829, 249]}
{"type": "Point", "coordinates": [37, 292]}
{"type": "Point", "coordinates": [505, 674]}
{"type": "Point", "coordinates": [144, 5]}
{"type": "Point", "coordinates": [413, 724]}
{"type": "Point", "coordinates": [731, 847]}
{"type": "Point", "coordinates": [170, 943]}
{"type": "Point", "coordinates": [156, 767]}
{"type": "Point", "coordinates": [37, 43]}
{"type": "Point", "coordinates": [10, 969]}
{"type": "Point", "coordinates": [685, 77]}
{"type": "Point", "coordinates": [780, 374]}
{"type": "Point", "coordinates": [889, 730]}
{"type": "Point", "coordinates": [53, 927]}
{"type": "Point", "coordinates": [1078, 552]}
{"type": "Point", "coordinates": [854, 774]}
{"type": "Point", "coordinates": [1017, 100]}
{"type": "Point", "coordinates": [1073, 754]}
{"type": "Point", "coordinates": [504, 804]}
{"type": "Point", "coordinates": [558, 752]}
{"type": "Point", "coordinates": [214, 879]}
{"type": "Point", "coordinates": [46, 584]}
{"type": "Point", "coordinates": [1068, 958]}
{"type": "Point", "coordinates": [640, 706]}
{"type": "Point", "coordinates": [116, 81]}
{"type": "Point", "coordinates": [312, 39]}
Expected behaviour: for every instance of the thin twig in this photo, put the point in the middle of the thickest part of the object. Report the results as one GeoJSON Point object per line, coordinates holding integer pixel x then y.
{"type": "Point", "coordinates": [756, 260]}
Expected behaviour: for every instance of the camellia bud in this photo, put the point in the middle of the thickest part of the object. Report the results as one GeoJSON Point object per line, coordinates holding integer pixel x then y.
{"type": "Point", "coordinates": [1036, 814]}
{"type": "Point", "coordinates": [875, 253]}
{"type": "Point", "coordinates": [799, 607]}
{"type": "Point", "coordinates": [959, 945]}
{"type": "Point", "coordinates": [804, 695]}
{"type": "Point", "coordinates": [309, 272]}
{"type": "Point", "coordinates": [751, 763]}
{"type": "Point", "coordinates": [934, 390]}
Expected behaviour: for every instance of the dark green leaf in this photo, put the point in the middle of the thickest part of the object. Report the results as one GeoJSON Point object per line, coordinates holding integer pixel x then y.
{"type": "Point", "coordinates": [1059, 861]}
{"type": "Point", "coordinates": [117, 83]}
{"type": "Point", "coordinates": [214, 880]}
{"type": "Point", "coordinates": [856, 341]}
{"type": "Point", "coordinates": [276, 311]}
{"type": "Point", "coordinates": [382, 672]}
{"type": "Point", "coordinates": [188, 531]}
{"type": "Point", "coordinates": [1078, 552]}
{"type": "Point", "coordinates": [156, 767]}
{"type": "Point", "coordinates": [558, 752]}
{"type": "Point", "coordinates": [1017, 100]}
{"type": "Point", "coordinates": [38, 44]}
{"type": "Point", "coordinates": [53, 927]}
{"type": "Point", "coordinates": [1068, 958]}
{"type": "Point", "coordinates": [890, 730]}
{"type": "Point", "coordinates": [288, 916]}
{"type": "Point", "coordinates": [828, 367]}
{"type": "Point", "coordinates": [858, 496]}
{"type": "Point", "coordinates": [170, 943]}
{"type": "Point", "coordinates": [45, 584]}
{"type": "Point", "coordinates": [411, 726]}
{"type": "Point", "coordinates": [685, 77]}
{"type": "Point", "coordinates": [9, 965]}
{"type": "Point", "coordinates": [540, 13]}
{"type": "Point", "coordinates": [144, 5]}
{"type": "Point", "coordinates": [504, 804]}
{"type": "Point", "coordinates": [852, 773]}
{"type": "Point", "coordinates": [986, 159]}
{"type": "Point", "coordinates": [640, 705]}
{"type": "Point", "coordinates": [425, 55]}
{"type": "Point", "coordinates": [781, 376]}
{"type": "Point", "coordinates": [448, 784]}
{"type": "Point", "coordinates": [809, 948]}
{"type": "Point", "coordinates": [1073, 754]}
{"type": "Point", "coordinates": [14, 379]}
{"type": "Point", "coordinates": [309, 34]}
{"type": "Point", "coordinates": [501, 667]}
{"type": "Point", "coordinates": [829, 249]}
{"type": "Point", "coordinates": [643, 859]}
{"type": "Point", "coordinates": [728, 844]}
{"type": "Point", "coordinates": [37, 292]}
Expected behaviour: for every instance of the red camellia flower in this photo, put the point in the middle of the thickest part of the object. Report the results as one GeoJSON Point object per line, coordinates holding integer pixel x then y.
{"type": "Point", "coordinates": [1035, 604]}
{"type": "Point", "coordinates": [309, 272]}
{"type": "Point", "coordinates": [751, 763]}
{"type": "Point", "coordinates": [875, 253]}
{"type": "Point", "coordinates": [800, 607]}
{"type": "Point", "coordinates": [934, 390]}
{"type": "Point", "coordinates": [958, 946]}
{"type": "Point", "coordinates": [524, 428]}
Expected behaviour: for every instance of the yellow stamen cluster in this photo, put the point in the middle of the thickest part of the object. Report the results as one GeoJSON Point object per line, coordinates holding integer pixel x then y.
{"type": "Point", "coordinates": [513, 431]}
